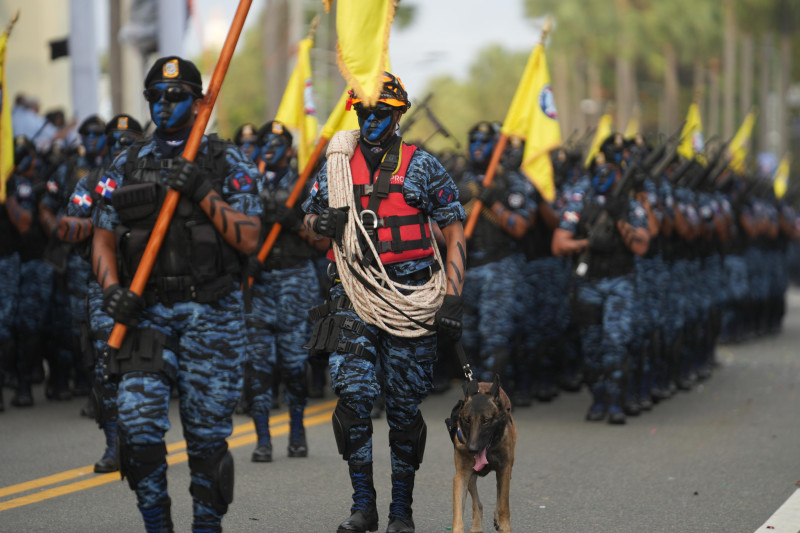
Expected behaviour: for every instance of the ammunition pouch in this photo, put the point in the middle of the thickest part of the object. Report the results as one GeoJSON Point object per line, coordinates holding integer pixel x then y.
{"type": "Point", "coordinates": [219, 470]}
{"type": "Point", "coordinates": [344, 419]}
{"type": "Point", "coordinates": [138, 463]}
{"type": "Point", "coordinates": [414, 437]}
{"type": "Point", "coordinates": [326, 337]}
{"type": "Point", "coordinates": [141, 351]}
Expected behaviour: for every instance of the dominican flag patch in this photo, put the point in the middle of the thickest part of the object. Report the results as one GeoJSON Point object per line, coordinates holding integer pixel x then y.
{"type": "Point", "coordinates": [82, 200]}
{"type": "Point", "coordinates": [106, 187]}
{"type": "Point", "coordinates": [315, 189]}
{"type": "Point", "coordinates": [52, 187]}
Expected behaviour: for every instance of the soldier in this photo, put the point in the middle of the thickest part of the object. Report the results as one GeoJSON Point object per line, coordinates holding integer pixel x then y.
{"type": "Point", "coordinates": [494, 259]}
{"type": "Point", "coordinates": [383, 248]}
{"type": "Point", "coordinates": [76, 227]}
{"type": "Point", "coordinates": [283, 291]}
{"type": "Point", "coordinates": [189, 316]}
{"type": "Point", "coordinates": [36, 276]}
{"type": "Point", "coordinates": [603, 232]}
{"type": "Point", "coordinates": [246, 138]}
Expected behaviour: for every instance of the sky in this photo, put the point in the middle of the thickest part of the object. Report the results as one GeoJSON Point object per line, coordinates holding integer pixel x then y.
{"type": "Point", "coordinates": [445, 37]}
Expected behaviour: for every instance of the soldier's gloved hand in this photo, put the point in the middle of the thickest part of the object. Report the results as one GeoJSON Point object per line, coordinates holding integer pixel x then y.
{"type": "Point", "coordinates": [616, 206]}
{"type": "Point", "coordinates": [331, 222]}
{"type": "Point", "coordinates": [190, 180]}
{"type": "Point", "coordinates": [448, 317]}
{"type": "Point", "coordinates": [465, 191]}
{"type": "Point", "coordinates": [254, 265]}
{"type": "Point", "coordinates": [123, 305]}
{"type": "Point", "coordinates": [490, 195]}
{"type": "Point", "coordinates": [285, 216]}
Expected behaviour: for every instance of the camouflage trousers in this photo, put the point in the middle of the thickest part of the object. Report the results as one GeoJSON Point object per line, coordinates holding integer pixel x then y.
{"type": "Point", "coordinates": [207, 369]}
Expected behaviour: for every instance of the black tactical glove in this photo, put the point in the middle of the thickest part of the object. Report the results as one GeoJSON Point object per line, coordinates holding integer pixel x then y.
{"type": "Point", "coordinates": [331, 222]}
{"type": "Point", "coordinates": [448, 317]}
{"type": "Point", "coordinates": [254, 265]}
{"type": "Point", "coordinates": [616, 207]}
{"type": "Point", "coordinates": [490, 195]}
{"type": "Point", "coordinates": [189, 180]}
{"type": "Point", "coordinates": [285, 216]}
{"type": "Point", "coordinates": [123, 305]}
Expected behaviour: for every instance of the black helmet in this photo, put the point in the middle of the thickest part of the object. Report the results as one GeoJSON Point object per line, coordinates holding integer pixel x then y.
{"type": "Point", "coordinates": [92, 124]}
{"type": "Point", "coordinates": [174, 68]}
{"type": "Point", "coordinates": [23, 149]}
{"type": "Point", "coordinates": [246, 131]}
{"type": "Point", "coordinates": [278, 128]}
{"type": "Point", "coordinates": [123, 122]}
{"type": "Point", "coordinates": [613, 148]}
{"type": "Point", "coordinates": [393, 93]}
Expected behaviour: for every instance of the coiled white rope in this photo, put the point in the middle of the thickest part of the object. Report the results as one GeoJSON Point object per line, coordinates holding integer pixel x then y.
{"type": "Point", "coordinates": [418, 302]}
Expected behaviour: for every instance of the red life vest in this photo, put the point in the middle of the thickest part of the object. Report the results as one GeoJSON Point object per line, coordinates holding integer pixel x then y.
{"type": "Point", "coordinates": [403, 233]}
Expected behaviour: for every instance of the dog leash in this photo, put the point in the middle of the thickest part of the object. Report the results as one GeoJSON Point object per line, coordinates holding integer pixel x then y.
{"type": "Point", "coordinates": [462, 360]}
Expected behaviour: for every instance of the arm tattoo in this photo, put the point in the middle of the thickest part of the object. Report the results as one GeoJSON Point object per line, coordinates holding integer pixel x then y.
{"type": "Point", "coordinates": [457, 271]}
{"type": "Point", "coordinates": [463, 255]}
{"type": "Point", "coordinates": [213, 198]}
{"type": "Point", "coordinates": [455, 287]}
{"type": "Point", "coordinates": [237, 226]}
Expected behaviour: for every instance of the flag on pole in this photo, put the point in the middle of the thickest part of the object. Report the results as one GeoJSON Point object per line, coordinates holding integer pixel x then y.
{"type": "Point", "coordinates": [740, 144]}
{"type": "Point", "coordinates": [692, 134]}
{"type": "Point", "coordinates": [633, 128]}
{"type": "Point", "coordinates": [6, 134]}
{"type": "Point", "coordinates": [362, 49]}
{"type": "Point", "coordinates": [600, 135]}
{"type": "Point", "coordinates": [533, 116]}
{"type": "Point", "coordinates": [781, 182]}
{"type": "Point", "coordinates": [297, 110]}
{"type": "Point", "coordinates": [340, 118]}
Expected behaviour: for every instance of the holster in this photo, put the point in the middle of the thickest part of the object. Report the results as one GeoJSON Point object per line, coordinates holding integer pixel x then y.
{"type": "Point", "coordinates": [141, 351]}
{"type": "Point", "coordinates": [326, 337]}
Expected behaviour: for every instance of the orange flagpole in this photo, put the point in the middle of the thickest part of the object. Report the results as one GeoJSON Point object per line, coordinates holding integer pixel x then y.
{"type": "Point", "coordinates": [189, 153]}
{"type": "Point", "coordinates": [469, 228]}
{"type": "Point", "coordinates": [269, 242]}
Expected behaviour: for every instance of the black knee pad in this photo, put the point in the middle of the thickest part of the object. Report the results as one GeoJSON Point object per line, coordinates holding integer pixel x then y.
{"type": "Point", "coordinates": [343, 420]}
{"type": "Point", "coordinates": [413, 435]}
{"type": "Point", "coordinates": [218, 468]}
{"type": "Point", "coordinates": [138, 463]}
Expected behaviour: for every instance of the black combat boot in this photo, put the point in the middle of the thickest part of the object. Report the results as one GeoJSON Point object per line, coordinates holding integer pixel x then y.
{"type": "Point", "coordinates": [108, 463]}
{"type": "Point", "coordinates": [363, 513]}
{"type": "Point", "coordinates": [297, 433]}
{"type": "Point", "coordinates": [400, 513]}
{"type": "Point", "coordinates": [263, 451]}
{"type": "Point", "coordinates": [157, 519]}
{"type": "Point", "coordinates": [599, 408]}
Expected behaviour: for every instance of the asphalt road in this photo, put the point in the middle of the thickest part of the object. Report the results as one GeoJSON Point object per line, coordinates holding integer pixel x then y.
{"type": "Point", "coordinates": [721, 458]}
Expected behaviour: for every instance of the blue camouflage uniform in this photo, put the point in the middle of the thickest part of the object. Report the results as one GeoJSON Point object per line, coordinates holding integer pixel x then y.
{"type": "Point", "coordinates": [197, 329]}
{"type": "Point", "coordinates": [278, 325]}
{"type": "Point", "coordinates": [407, 363]}
{"type": "Point", "coordinates": [9, 282]}
{"type": "Point", "coordinates": [603, 305]}
{"type": "Point", "coordinates": [492, 284]}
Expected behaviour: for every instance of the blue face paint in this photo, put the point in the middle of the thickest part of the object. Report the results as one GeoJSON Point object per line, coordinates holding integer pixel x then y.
{"type": "Point", "coordinates": [374, 128]}
{"type": "Point", "coordinates": [274, 149]}
{"type": "Point", "coordinates": [171, 115]}
{"type": "Point", "coordinates": [603, 179]}
{"type": "Point", "coordinates": [251, 150]}
{"type": "Point", "coordinates": [481, 148]}
{"type": "Point", "coordinates": [93, 142]}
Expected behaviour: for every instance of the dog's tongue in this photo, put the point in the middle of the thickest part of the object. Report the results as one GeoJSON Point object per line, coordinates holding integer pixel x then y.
{"type": "Point", "coordinates": [480, 460]}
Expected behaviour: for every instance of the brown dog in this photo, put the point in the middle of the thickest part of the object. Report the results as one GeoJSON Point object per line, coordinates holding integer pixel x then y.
{"type": "Point", "coordinates": [484, 436]}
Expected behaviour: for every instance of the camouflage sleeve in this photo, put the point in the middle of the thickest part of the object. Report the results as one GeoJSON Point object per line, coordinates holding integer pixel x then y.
{"type": "Point", "coordinates": [522, 196]}
{"type": "Point", "coordinates": [571, 214]}
{"type": "Point", "coordinates": [240, 188]}
{"type": "Point", "coordinates": [104, 215]}
{"type": "Point", "coordinates": [80, 201]}
{"type": "Point", "coordinates": [53, 193]}
{"type": "Point", "coordinates": [22, 188]}
{"type": "Point", "coordinates": [428, 187]}
{"type": "Point", "coordinates": [318, 195]}
{"type": "Point", "coordinates": [637, 216]}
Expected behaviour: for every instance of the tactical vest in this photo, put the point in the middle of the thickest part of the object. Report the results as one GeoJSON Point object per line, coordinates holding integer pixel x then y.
{"type": "Point", "coordinates": [617, 260]}
{"type": "Point", "coordinates": [398, 231]}
{"type": "Point", "coordinates": [194, 262]}
{"type": "Point", "coordinates": [537, 242]}
{"type": "Point", "coordinates": [489, 243]}
{"type": "Point", "coordinates": [289, 249]}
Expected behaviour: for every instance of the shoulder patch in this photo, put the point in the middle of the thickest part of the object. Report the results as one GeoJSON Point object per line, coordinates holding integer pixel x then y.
{"type": "Point", "coordinates": [445, 195]}
{"type": "Point", "coordinates": [516, 200]}
{"type": "Point", "coordinates": [242, 182]}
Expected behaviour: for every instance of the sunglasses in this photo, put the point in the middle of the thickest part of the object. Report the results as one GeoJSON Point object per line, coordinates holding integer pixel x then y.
{"type": "Point", "coordinates": [123, 139]}
{"type": "Point", "coordinates": [170, 94]}
{"type": "Point", "coordinates": [93, 131]}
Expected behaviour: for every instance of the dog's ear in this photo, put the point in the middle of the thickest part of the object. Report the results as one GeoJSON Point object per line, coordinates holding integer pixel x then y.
{"type": "Point", "coordinates": [470, 388]}
{"type": "Point", "coordinates": [494, 392]}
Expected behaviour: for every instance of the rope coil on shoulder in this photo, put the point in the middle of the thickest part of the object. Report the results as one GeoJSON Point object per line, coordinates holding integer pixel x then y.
{"type": "Point", "coordinates": [399, 309]}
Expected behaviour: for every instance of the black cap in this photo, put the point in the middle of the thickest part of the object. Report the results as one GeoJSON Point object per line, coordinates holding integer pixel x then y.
{"type": "Point", "coordinates": [248, 129]}
{"type": "Point", "coordinates": [123, 122]}
{"type": "Point", "coordinates": [174, 68]}
{"type": "Point", "coordinates": [278, 128]}
{"type": "Point", "coordinates": [93, 122]}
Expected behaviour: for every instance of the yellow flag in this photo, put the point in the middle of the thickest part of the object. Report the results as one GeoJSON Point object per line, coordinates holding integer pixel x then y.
{"type": "Point", "coordinates": [340, 118]}
{"type": "Point", "coordinates": [740, 143]}
{"type": "Point", "coordinates": [363, 28]}
{"type": "Point", "coordinates": [600, 135]}
{"type": "Point", "coordinates": [633, 128]}
{"type": "Point", "coordinates": [6, 135]}
{"type": "Point", "coordinates": [781, 182]}
{"type": "Point", "coordinates": [297, 110]}
{"type": "Point", "coordinates": [692, 134]}
{"type": "Point", "coordinates": [533, 116]}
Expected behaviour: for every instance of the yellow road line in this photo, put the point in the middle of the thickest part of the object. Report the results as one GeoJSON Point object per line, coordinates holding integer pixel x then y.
{"type": "Point", "coordinates": [177, 455]}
